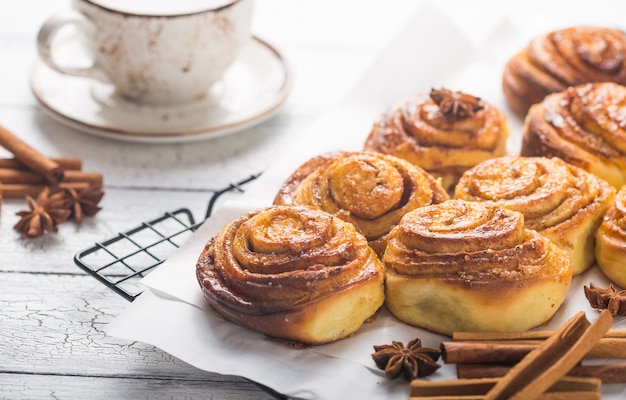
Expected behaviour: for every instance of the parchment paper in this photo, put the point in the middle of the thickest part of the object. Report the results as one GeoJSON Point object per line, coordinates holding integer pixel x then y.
{"type": "Point", "coordinates": [172, 313]}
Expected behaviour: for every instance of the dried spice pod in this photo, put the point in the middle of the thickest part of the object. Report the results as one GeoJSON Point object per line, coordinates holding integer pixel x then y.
{"type": "Point", "coordinates": [44, 215]}
{"type": "Point", "coordinates": [443, 132]}
{"type": "Point", "coordinates": [84, 201]}
{"type": "Point", "coordinates": [560, 201]}
{"type": "Point", "coordinates": [412, 362]}
{"type": "Point", "coordinates": [456, 105]}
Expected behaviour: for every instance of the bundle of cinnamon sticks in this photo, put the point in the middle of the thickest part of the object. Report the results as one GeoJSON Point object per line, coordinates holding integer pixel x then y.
{"type": "Point", "coordinates": [535, 365]}
{"type": "Point", "coordinates": [29, 171]}
{"type": "Point", "coordinates": [486, 354]}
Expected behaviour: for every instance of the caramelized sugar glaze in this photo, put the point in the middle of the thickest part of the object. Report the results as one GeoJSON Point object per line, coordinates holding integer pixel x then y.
{"type": "Point", "coordinates": [560, 201]}
{"type": "Point", "coordinates": [292, 272]}
{"type": "Point", "coordinates": [556, 60]}
{"type": "Point", "coordinates": [584, 125]}
{"type": "Point", "coordinates": [466, 266]}
{"type": "Point", "coordinates": [610, 247]}
{"type": "Point", "coordinates": [370, 190]}
{"type": "Point", "coordinates": [442, 138]}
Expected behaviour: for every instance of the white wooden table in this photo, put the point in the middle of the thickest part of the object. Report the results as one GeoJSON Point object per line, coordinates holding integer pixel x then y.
{"type": "Point", "coordinates": [51, 312]}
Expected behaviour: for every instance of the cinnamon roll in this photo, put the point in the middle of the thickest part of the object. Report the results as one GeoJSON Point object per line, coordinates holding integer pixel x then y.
{"type": "Point", "coordinates": [560, 201]}
{"type": "Point", "coordinates": [445, 133]}
{"type": "Point", "coordinates": [292, 272]}
{"type": "Point", "coordinates": [611, 241]}
{"type": "Point", "coordinates": [470, 266]}
{"type": "Point", "coordinates": [583, 125]}
{"type": "Point", "coordinates": [568, 57]}
{"type": "Point", "coordinates": [370, 190]}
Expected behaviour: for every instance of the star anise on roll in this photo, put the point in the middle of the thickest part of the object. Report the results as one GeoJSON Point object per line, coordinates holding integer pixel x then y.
{"type": "Point", "coordinates": [412, 361]}
{"type": "Point", "coordinates": [456, 104]}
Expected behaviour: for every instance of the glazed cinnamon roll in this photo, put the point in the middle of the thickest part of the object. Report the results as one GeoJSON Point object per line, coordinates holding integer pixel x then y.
{"type": "Point", "coordinates": [611, 241]}
{"type": "Point", "coordinates": [469, 266]}
{"type": "Point", "coordinates": [370, 190]}
{"type": "Point", "coordinates": [559, 59]}
{"type": "Point", "coordinates": [445, 133]}
{"type": "Point", "coordinates": [560, 201]}
{"type": "Point", "coordinates": [292, 272]}
{"type": "Point", "coordinates": [583, 125]}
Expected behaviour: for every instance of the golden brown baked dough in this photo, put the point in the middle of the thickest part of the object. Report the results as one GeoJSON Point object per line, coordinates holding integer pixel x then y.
{"type": "Point", "coordinates": [444, 133]}
{"type": "Point", "coordinates": [583, 125]}
{"type": "Point", "coordinates": [292, 272]}
{"type": "Point", "coordinates": [472, 266]}
{"type": "Point", "coordinates": [370, 190]}
{"type": "Point", "coordinates": [568, 57]}
{"type": "Point", "coordinates": [611, 241]}
{"type": "Point", "coordinates": [562, 202]}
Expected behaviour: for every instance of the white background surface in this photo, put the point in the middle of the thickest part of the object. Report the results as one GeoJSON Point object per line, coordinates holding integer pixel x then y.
{"type": "Point", "coordinates": [52, 342]}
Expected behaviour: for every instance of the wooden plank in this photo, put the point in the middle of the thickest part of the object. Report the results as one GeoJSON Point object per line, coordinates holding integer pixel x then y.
{"type": "Point", "coordinates": [52, 324]}
{"type": "Point", "coordinates": [34, 387]}
{"type": "Point", "coordinates": [52, 341]}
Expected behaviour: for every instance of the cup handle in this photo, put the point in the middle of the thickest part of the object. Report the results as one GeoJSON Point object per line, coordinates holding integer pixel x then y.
{"type": "Point", "coordinates": [49, 31]}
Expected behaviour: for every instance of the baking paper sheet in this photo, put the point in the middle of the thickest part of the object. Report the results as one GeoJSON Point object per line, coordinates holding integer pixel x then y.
{"type": "Point", "coordinates": [172, 313]}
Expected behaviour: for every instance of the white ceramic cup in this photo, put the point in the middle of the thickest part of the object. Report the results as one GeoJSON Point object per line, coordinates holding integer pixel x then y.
{"type": "Point", "coordinates": [160, 51]}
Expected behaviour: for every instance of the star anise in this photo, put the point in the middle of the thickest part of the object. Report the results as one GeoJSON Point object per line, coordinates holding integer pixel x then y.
{"type": "Point", "coordinates": [456, 104]}
{"type": "Point", "coordinates": [45, 214]}
{"type": "Point", "coordinates": [84, 201]}
{"type": "Point", "coordinates": [609, 298]}
{"type": "Point", "coordinates": [413, 361]}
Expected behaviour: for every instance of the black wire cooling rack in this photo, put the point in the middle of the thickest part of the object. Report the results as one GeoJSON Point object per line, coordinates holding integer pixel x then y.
{"type": "Point", "coordinates": [122, 260]}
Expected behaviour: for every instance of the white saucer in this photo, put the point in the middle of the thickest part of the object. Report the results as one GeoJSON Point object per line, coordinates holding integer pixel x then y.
{"type": "Point", "coordinates": [251, 91]}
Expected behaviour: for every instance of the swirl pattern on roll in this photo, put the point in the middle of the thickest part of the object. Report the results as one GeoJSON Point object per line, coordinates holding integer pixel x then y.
{"type": "Point", "coordinates": [370, 190]}
{"type": "Point", "coordinates": [466, 265]}
{"type": "Point", "coordinates": [285, 261]}
{"type": "Point", "coordinates": [464, 239]}
{"type": "Point", "coordinates": [611, 241]}
{"type": "Point", "coordinates": [568, 57]}
{"type": "Point", "coordinates": [418, 131]}
{"type": "Point", "coordinates": [583, 125]}
{"type": "Point", "coordinates": [559, 200]}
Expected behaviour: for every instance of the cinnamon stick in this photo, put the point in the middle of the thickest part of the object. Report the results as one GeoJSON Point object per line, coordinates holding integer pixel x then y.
{"type": "Point", "coordinates": [67, 163]}
{"type": "Point", "coordinates": [27, 155]}
{"type": "Point", "coordinates": [22, 190]}
{"type": "Point", "coordinates": [509, 351]}
{"type": "Point", "coordinates": [551, 360]}
{"type": "Point", "coordinates": [484, 353]}
{"type": "Point", "coordinates": [514, 336]}
{"type": "Point", "coordinates": [8, 175]}
{"type": "Point", "coordinates": [606, 373]}
{"type": "Point", "coordinates": [566, 388]}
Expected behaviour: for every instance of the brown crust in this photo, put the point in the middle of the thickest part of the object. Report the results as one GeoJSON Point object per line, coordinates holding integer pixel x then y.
{"type": "Point", "coordinates": [560, 201]}
{"type": "Point", "coordinates": [370, 190]}
{"type": "Point", "coordinates": [292, 272]}
{"type": "Point", "coordinates": [610, 250]}
{"type": "Point", "coordinates": [416, 130]}
{"type": "Point", "coordinates": [579, 126]}
{"type": "Point", "coordinates": [472, 266]}
{"type": "Point", "coordinates": [553, 61]}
